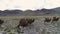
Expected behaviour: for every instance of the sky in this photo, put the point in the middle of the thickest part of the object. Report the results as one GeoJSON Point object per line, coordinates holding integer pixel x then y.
{"type": "Point", "coordinates": [28, 4]}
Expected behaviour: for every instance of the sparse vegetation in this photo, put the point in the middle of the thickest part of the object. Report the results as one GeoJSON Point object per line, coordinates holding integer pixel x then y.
{"type": "Point", "coordinates": [12, 22]}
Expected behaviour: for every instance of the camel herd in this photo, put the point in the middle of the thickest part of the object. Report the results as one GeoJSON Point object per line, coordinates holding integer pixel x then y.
{"type": "Point", "coordinates": [54, 19]}
{"type": "Point", "coordinates": [26, 21]}
{"type": "Point", "coordinates": [49, 19]}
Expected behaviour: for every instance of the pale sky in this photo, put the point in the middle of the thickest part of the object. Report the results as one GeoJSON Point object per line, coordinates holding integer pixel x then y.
{"type": "Point", "coordinates": [28, 4]}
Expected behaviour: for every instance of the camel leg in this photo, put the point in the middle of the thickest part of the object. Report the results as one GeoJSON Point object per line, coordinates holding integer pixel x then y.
{"type": "Point", "coordinates": [45, 23]}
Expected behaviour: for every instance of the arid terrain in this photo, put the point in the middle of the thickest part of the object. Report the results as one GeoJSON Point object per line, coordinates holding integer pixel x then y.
{"type": "Point", "coordinates": [38, 27]}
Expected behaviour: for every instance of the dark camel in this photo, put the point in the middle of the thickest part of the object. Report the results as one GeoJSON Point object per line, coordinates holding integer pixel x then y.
{"type": "Point", "coordinates": [25, 22]}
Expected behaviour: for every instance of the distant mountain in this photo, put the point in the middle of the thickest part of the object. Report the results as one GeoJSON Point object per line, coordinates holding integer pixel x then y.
{"type": "Point", "coordinates": [57, 9]}
{"type": "Point", "coordinates": [38, 12]}
{"type": "Point", "coordinates": [10, 12]}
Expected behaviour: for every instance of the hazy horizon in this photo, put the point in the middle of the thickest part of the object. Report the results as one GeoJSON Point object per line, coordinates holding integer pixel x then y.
{"type": "Point", "coordinates": [28, 4]}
